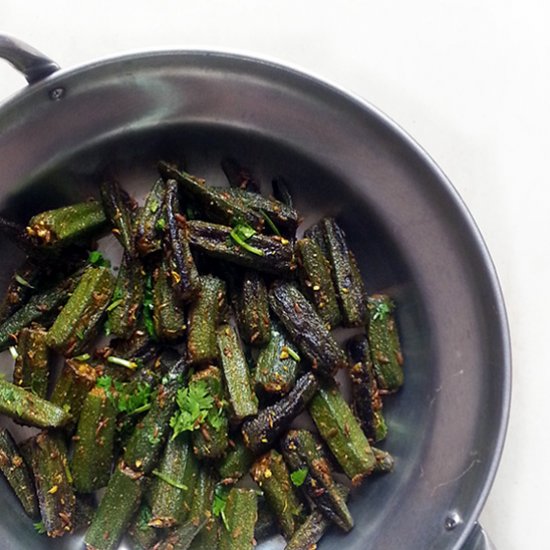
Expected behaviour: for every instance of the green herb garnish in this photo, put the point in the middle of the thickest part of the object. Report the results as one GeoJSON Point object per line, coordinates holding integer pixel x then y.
{"type": "Point", "coordinates": [170, 481]}
{"type": "Point", "coordinates": [83, 357]}
{"type": "Point", "coordinates": [39, 528]}
{"type": "Point", "coordinates": [381, 311]}
{"type": "Point", "coordinates": [22, 281]}
{"type": "Point", "coordinates": [270, 223]}
{"type": "Point", "coordinates": [292, 354]}
{"type": "Point", "coordinates": [161, 224]}
{"type": "Point", "coordinates": [194, 405]}
{"type": "Point", "coordinates": [220, 501]}
{"type": "Point", "coordinates": [95, 257]}
{"type": "Point", "coordinates": [241, 233]}
{"type": "Point", "coordinates": [299, 476]}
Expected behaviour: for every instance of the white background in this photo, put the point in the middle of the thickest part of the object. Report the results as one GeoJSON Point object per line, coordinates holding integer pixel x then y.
{"type": "Point", "coordinates": [470, 80]}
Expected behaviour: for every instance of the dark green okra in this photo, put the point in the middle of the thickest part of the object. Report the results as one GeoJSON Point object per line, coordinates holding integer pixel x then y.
{"type": "Point", "coordinates": [266, 526]}
{"type": "Point", "coordinates": [303, 452]}
{"type": "Point", "coordinates": [127, 299]}
{"type": "Point", "coordinates": [205, 314]}
{"type": "Point", "coordinates": [182, 536]}
{"type": "Point", "coordinates": [68, 224]}
{"type": "Point", "coordinates": [281, 191]}
{"type": "Point", "coordinates": [262, 431]}
{"type": "Point", "coordinates": [241, 514]}
{"type": "Point", "coordinates": [32, 365]}
{"type": "Point", "coordinates": [172, 488]}
{"type": "Point", "coordinates": [276, 366]}
{"type": "Point", "coordinates": [239, 176]}
{"type": "Point", "coordinates": [29, 409]}
{"type": "Point", "coordinates": [236, 373]}
{"type": "Point", "coordinates": [17, 474]}
{"type": "Point", "coordinates": [85, 508]}
{"type": "Point", "coordinates": [386, 355]}
{"type": "Point", "coordinates": [78, 321]}
{"type": "Point", "coordinates": [211, 438]}
{"type": "Point", "coordinates": [342, 432]}
{"type": "Point", "coordinates": [119, 210]}
{"type": "Point", "coordinates": [252, 309]}
{"type": "Point", "coordinates": [93, 450]}
{"type": "Point", "coordinates": [271, 474]}
{"type": "Point", "coordinates": [151, 221]}
{"type": "Point", "coordinates": [207, 538]}
{"type": "Point", "coordinates": [53, 482]}
{"type": "Point", "coordinates": [236, 462]}
{"type": "Point", "coordinates": [142, 535]}
{"type": "Point", "coordinates": [316, 281]}
{"type": "Point", "coordinates": [269, 254]}
{"type": "Point", "coordinates": [182, 269]}
{"type": "Point", "coordinates": [365, 401]}
{"type": "Point", "coordinates": [306, 329]}
{"type": "Point", "coordinates": [116, 509]}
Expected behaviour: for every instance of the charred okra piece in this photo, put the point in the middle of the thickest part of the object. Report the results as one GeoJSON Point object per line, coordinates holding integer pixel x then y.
{"type": "Point", "coordinates": [236, 463]}
{"type": "Point", "coordinates": [211, 438]}
{"type": "Point", "coordinates": [171, 492]}
{"type": "Point", "coordinates": [78, 321]}
{"type": "Point", "coordinates": [20, 289]}
{"type": "Point", "coordinates": [68, 224]}
{"type": "Point", "coordinates": [386, 353]}
{"type": "Point", "coordinates": [85, 508]}
{"type": "Point", "coordinates": [342, 433]}
{"type": "Point", "coordinates": [241, 245]}
{"type": "Point", "coordinates": [127, 299]}
{"type": "Point", "coordinates": [236, 373]}
{"type": "Point", "coordinates": [168, 315]}
{"type": "Point", "coordinates": [17, 474]}
{"type": "Point", "coordinates": [116, 509]}
{"type": "Point", "coordinates": [384, 461]}
{"type": "Point", "coordinates": [252, 309]}
{"type": "Point", "coordinates": [52, 480]}
{"type": "Point", "coordinates": [271, 474]}
{"type": "Point", "coordinates": [205, 314]}
{"type": "Point", "coordinates": [306, 459]}
{"type": "Point", "coordinates": [182, 269]}
{"type": "Point", "coordinates": [366, 401]}
{"type": "Point", "coordinates": [151, 222]}
{"type": "Point", "coordinates": [281, 191]}
{"type": "Point", "coordinates": [93, 451]}
{"type": "Point", "coordinates": [239, 176]}
{"type": "Point", "coordinates": [142, 535]}
{"type": "Point", "coordinates": [119, 208]}
{"type": "Point", "coordinates": [316, 281]}
{"type": "Point", "coordinates": [73, 385]}
{"type": "Point", "coordinates": [241, 514]}
{"type": "Point", "coordinates": [260, 432]}
{"type": "Point", "coordinates": [29, 409]}
{"type": "Point", "coordinates": [266, 526]}
{"type": "Point", "coordinates": [32, 366]}
{"type": "Point", "coordinates": [277, 365]}
{"type": "Point", "coordinates": [307, 329]}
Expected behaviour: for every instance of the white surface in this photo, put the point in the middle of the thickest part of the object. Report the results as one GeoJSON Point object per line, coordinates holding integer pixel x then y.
{"type": "Point", "coordinates": [469, 80]}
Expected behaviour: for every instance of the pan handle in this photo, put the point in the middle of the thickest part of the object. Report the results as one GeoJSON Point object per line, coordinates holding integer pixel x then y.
{"type": "Point", "coordinates": [34, 65]}
{"type": "Point", "coordinates": [478, 540]}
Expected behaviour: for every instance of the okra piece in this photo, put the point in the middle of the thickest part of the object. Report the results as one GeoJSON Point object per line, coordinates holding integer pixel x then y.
{"type": "Point", "coordinates": [84, 511]}
{"type": "Point", "coordinates": [29, 409]}
{"type": "Point", "coordinates": [149, 436]}
{"type": "Point", "coordinates": [182, 269]}
{"type": "Point", "coordinates": [151, 222]}
{"type": "Point", "coordinates": [116, 509]}
{"type": "Point", "coordinates": [78, 321]}
{"type": "Point", "coordinates": [119, 210]}
{"type": "Point", "coordinates": [316, 281]}
{"type": "Point", "coordinates": [207, 538]}
{"type": "Point", "coordinates": [52, 480]}
{"type": "Point", "coordinates": [41, 308]}
{"type": "Point", "coordinates": [181, 537]}
{"type": "Point", "coordinates": [281, 191]}
{"type": "Point", "coordinates": [171, 491]}
{"type": "Point", "coordinates": [142, 535]}
{"type": "Point", "coordinates": [67, 225]}
{"type": "Point", "coordinates": [127, 299]}
{"type": "Point", "coordinates": [384, 461]}
{"type": "Point", "coordinates": [342, 433]}
{"type": "Point", "coordinates": [17, 474]}
{"type": "Point", "coordinates": [20, 288]}
{"type": "Point", "coordinates": [139, 348]}
{"type": "Point", "coordinates": [205, 314]}
{"type": "Point", "coordinates": [262, 431]}
{"type": "Point", "coordinates": [271, 474]}
{"type": "Point", "coordinates": [304, 455]}
{"type": "Point", "coordinates": [211, 438]}
{"type": "Point", "coordinates": [32, 365]}
{"type": "Point", "coordinates": [266, 526]}
{"type": "Point", "coordinates": [239, 176]}
{"type": "Point", "coordinates": [366, 402]}
{"type": "Point", "coordinates": [236, 462]}
{"type": "Point", "coordinates": [203, 496]}
{"type": "Point", "coordinates": [73, 385]}
{"type": "Point", "coordinates": [306, 329]}
{"type": "Point", "coordinates": [236, 373]}
{"type": "Point", "coordinates": [93, 451]}
{"type": "Point", "coordinates": [277, 364]}
{"type": "Point", "coordinates": [387, 358]}
{"type": "Point", "coordinates": [168, 315]}
{"type": "Point", "coordinates": [252, 309]}
{"type": "Point", "coordinates": [241, 514]}
{"type": "Point", "coordinates": [243, 246]}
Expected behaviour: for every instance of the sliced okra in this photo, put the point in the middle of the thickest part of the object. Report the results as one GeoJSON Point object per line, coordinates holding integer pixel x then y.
{"type": "Point", "coordinates": [236, 462]}
{"type": "Point", "coordinates": [78, 321]}
{"type": "Point", "coordinates": [17, 474]}
{"type": "Point", "coordinates": [151, 221]}
{"type": "Point", "coordinates": [32, 365]}
{"type": "Point", "coordinates": [241, 514]}
{"type": "Point", "coordinates": [261, 432]}
{"type": "Point", "coordinates": [142, 535]}
{"type": "Point", "coordinates": [266, 526]}
{"type": "Point", "coordinates": [281, 191]}
{"type": "Point", "coordinates": [306, 329]}
{"type": "Point", "coordinates": [271, 474]}
{"type": "Point", "coordinates": [239, 176]}
{"type": "Point", "coordinates": [207, 538]}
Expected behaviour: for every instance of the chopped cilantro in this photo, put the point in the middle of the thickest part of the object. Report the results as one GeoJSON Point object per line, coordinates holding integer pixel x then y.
{"type": "Point", "coordinates": [96, 258]}
{"type": "Point", "coordinates": [133, 400]}
{"type": "Point", "coordinates": [241, 233]}
{"type": "Point", "coordinates": [22, 281]}
{"type": "Point", "coordinates": [220, 501]}
{"type": "Point", "coordinates": [299, 476]}
{"type": "Point", "coordinates": [114, 304]}
{"type": "Point", "coordinates": [381, 311]}
{"type": "Point", "coordinates": [39, 528]}
{"type": "Point", "coordinates": [170, 481]}
{"type": "Point", "coordinates": [161, 224]}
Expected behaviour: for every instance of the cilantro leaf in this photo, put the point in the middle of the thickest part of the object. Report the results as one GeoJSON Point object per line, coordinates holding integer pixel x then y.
{"type": "Point", "coordinates": [299, 476]}
{"type": "Point", "coordinates": [241, 233]}
{"type": "Point", "coordinates": [194, 404]}
{"type": "Point", "coordinates": [381, 311]}
{"type": "Point", "coordinates": [219, 503]}
{"type": "Point", "coordinates": [40, 528]}
{"type": "Point", "coordinates": [170, 481]}
{"type": "Point", "coordinates": [95, 257]}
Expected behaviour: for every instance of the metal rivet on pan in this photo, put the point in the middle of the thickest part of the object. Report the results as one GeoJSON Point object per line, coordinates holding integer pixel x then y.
{"type": "Point", "coordinates": [452, 520]}
{"type": "Point", "coordinates": [57, 93]}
